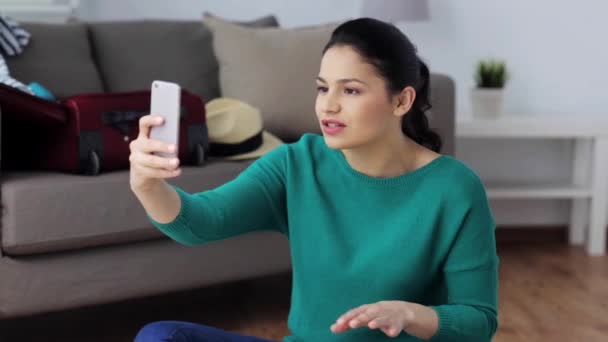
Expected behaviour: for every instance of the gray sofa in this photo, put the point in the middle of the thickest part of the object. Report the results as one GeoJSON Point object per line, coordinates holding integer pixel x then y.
{"type": "Point", "coordinates": [68, 240]}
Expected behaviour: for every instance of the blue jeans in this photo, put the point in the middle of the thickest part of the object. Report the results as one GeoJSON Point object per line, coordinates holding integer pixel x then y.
{"type": "Point", "coordinates": [172, 331]}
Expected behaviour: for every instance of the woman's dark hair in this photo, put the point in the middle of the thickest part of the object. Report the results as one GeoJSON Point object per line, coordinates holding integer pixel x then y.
{"type": "Point", "coordinates": [386, 48]}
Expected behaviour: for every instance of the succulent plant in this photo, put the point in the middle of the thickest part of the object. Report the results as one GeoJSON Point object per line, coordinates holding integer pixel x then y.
{"type": "Point", "coordinates": [491, 73]}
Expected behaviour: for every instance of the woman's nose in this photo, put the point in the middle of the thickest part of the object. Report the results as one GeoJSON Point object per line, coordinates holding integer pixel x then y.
{"type": "Point", "coordinates": [330, 104]}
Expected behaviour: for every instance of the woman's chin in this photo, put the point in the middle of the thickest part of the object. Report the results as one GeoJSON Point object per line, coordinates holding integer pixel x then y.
{"type": "Point", "coordinates": [335, 143]}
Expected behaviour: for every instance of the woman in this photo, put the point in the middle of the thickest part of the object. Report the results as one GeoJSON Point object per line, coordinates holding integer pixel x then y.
{"type": "Point", "coordinates": [388, 237]}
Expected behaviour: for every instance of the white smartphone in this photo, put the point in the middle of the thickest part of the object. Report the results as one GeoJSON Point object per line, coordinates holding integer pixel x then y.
{"type": "Point", "coordinates": [165, 101]}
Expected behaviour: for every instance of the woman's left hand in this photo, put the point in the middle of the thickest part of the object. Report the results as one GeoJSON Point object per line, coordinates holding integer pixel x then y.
{"type": "Point", "coordinates": [392, 317]}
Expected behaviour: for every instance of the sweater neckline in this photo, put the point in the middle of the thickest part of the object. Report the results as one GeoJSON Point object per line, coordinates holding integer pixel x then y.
{"type": "Point", "coordinates": [401, 179]}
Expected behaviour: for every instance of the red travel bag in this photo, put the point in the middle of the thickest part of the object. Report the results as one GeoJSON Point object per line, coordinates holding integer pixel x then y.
{"type": "Point", "coordinates": [95, 134]}
{"type": "Point", "coordinates": [101, 126]}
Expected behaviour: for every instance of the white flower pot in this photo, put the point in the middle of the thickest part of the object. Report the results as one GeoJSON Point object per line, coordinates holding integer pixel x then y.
{"type": "Point", "coordinates": [486, 102]}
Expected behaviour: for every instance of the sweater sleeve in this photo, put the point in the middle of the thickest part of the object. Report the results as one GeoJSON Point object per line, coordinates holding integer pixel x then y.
{"type": "Point", "coordinates": [471, 276]}
{"type": "Point", "coordinates": [254, 200]}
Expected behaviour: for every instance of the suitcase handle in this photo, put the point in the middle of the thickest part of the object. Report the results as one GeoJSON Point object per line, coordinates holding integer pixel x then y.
{"type": "Point", "coordinates": [121, 120]}
{"type": "Point", "coordinates": [118, 117]}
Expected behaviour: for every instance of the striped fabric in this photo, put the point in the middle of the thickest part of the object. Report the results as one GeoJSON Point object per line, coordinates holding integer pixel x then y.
{"type": "Point", "coordinates": [13, 38]}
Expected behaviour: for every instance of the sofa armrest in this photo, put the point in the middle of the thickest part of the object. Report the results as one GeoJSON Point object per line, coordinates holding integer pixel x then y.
{"type": "Point", "coordinates": [443, 112]}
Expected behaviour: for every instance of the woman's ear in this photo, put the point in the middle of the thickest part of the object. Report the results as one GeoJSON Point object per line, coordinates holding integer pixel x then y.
{"type": "Point", "coordinates": [404, 101]}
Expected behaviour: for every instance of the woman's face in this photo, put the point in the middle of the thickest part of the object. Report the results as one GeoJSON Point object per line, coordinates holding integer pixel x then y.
{"type": "Point", "coordinates": [353, 105]}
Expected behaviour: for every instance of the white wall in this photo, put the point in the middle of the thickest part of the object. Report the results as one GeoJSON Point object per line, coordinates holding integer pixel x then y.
{"type": "Point", "coordinates": [554, 48]}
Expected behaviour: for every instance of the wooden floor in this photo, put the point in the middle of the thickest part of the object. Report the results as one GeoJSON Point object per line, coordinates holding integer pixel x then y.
{"type": "Point", "coordinates": [548, 292]}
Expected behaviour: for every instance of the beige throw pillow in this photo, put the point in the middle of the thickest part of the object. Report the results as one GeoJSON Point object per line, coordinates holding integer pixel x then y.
{"type": "Point", "coordinates": [274, 70]}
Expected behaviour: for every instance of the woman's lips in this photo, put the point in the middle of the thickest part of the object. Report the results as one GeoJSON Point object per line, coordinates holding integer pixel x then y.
{"type": "Point", "coordinates": [332, 127]}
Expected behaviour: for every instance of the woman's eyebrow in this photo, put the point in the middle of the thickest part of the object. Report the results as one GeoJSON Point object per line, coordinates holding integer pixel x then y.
{"type": "Point", "coordinates": [343, 80]}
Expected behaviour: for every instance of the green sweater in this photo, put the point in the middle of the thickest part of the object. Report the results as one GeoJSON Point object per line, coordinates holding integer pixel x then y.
{"type": "Point", "coordinates": [426, 237]}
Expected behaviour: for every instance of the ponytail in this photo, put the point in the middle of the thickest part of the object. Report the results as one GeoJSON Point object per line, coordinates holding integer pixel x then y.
{"type": "Point", "coordinates": [415, 123]}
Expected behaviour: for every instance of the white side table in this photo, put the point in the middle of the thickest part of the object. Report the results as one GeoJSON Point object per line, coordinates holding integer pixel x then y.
{"type": "Point", "coordinates": [589, 188]}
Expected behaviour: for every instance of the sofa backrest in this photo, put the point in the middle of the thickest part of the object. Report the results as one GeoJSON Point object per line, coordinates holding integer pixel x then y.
{"type": "Point", "coordinates": [59, 57]}
{"type": "Point", "coordinates": [132, 54]}
{"type": "Point", "coordinates": [115, 56]}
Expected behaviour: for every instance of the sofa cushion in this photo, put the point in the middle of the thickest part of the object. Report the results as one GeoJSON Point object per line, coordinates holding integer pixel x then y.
{"type": "Point", "coordinates": [51, 212]}
{"type": "Point", "coordinates": [58, 57]}
{"type": "Point", "coordinates": [274, 70]}
{"type": "Point", "coordinates": [132, 54]}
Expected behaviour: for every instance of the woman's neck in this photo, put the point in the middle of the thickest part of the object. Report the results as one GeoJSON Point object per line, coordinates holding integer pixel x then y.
{"type": "Point", "coordinates": [384, 158]}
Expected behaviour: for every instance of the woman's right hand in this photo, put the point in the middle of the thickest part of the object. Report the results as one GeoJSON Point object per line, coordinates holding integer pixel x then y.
{"type": "Point", "coordinates": [148, 169]}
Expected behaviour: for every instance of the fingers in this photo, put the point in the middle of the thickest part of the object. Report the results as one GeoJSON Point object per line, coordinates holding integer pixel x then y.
{"type": "Point", "coordinates": [363, 318]}
{"type": "Point", "coordinates": [379, 322]}
{"type": "Point", "coordinates": [351, 314]}
{"type": "Point", "coordinates": [390, 332]}
{"type": "Point", "coordinates": [388, 316]}
{"type": "Point", "coordinates": [344, 322]}
{"type": "Point", "coordinates": [147, 122]}
{"type": "Point", "coordinates": [385, 324]}
{"type": "Point", "coordinates": [367, 315]}
{"type": "Point", "coordinates": [149, 172]}
{"type": "Point", "coordinates": [146, 145]}
{"type": "Point", "coordinates": [144, 163]}
{"type": "Point", "coordinates": [152, 161]}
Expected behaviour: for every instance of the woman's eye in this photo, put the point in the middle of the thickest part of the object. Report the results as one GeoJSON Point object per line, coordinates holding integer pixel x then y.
{"type": "Point", "coordinates": [321, 89]}
{"type": "Point", "coordinates": [351, 91]}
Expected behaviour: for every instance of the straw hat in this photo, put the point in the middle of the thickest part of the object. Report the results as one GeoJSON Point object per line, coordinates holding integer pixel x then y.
{"type": "Point", "coordinates": [236, 130]}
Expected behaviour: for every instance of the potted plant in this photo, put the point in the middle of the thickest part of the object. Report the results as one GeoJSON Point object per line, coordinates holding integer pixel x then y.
{"type": "Point", "coordinates": [487, 98]}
